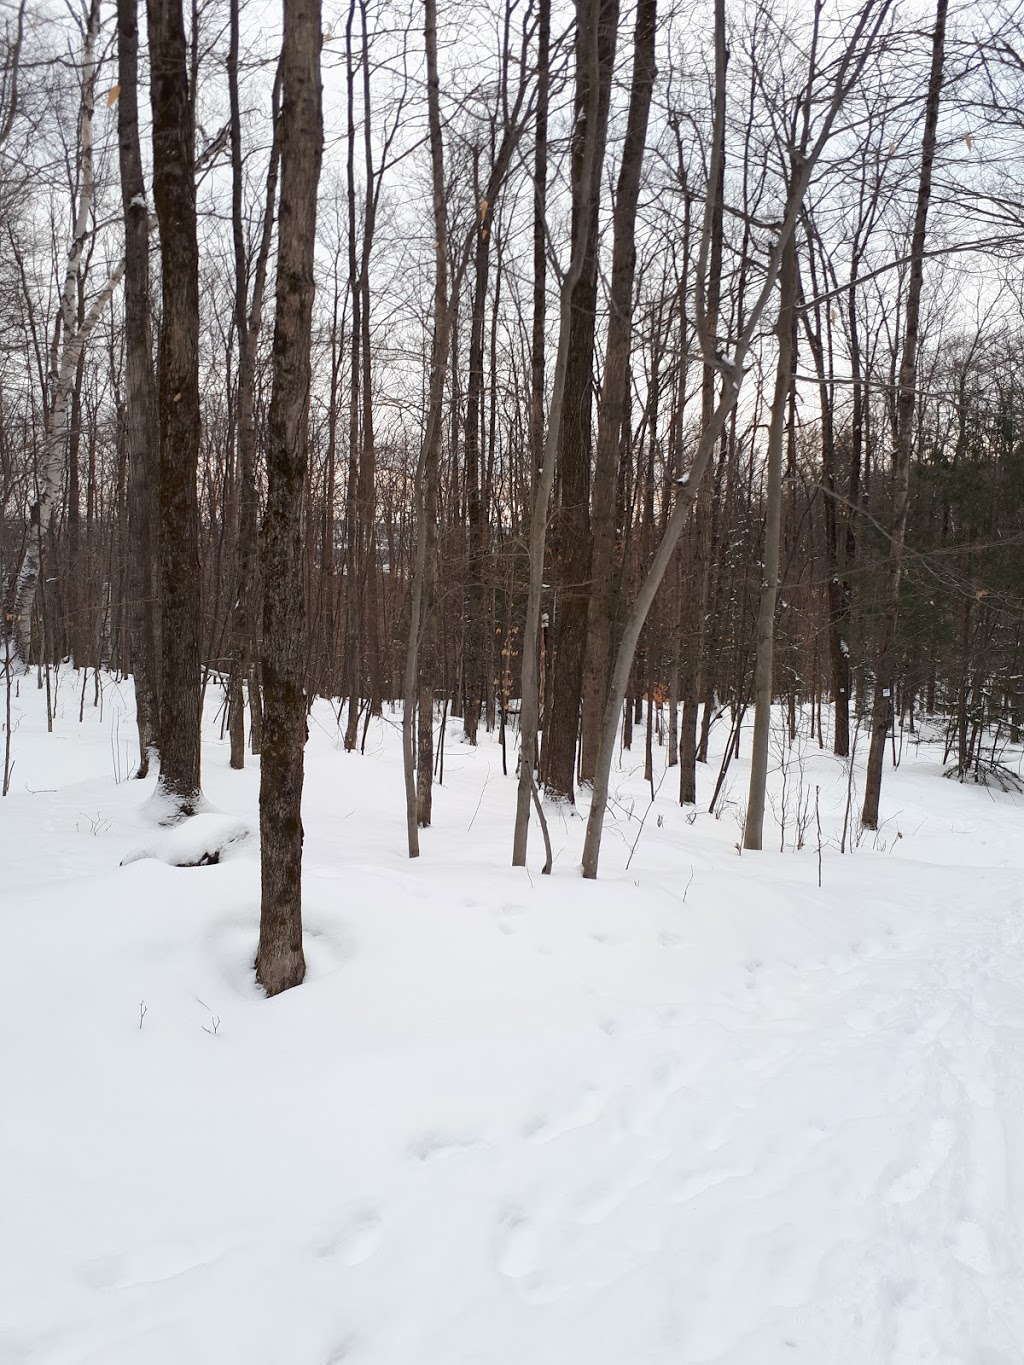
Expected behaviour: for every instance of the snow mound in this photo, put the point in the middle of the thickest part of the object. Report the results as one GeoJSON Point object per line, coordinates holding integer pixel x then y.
{"type": "Point", "coordinates": [200, 841]}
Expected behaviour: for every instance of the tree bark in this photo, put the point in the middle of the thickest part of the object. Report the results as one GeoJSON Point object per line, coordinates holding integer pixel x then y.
{"type": "Point", "coordinates": [280, 963]}
{"type": "Point", "coordinates": [615, 389]}
{"type": "Point", "coordinates": [572, 523]}
{"type": "Point", "coordinates": [587, 14]}
{"type": "Point", "coordinates": [174, 194]}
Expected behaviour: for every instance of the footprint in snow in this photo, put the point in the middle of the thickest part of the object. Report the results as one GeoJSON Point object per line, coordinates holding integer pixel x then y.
{"type": "Point", "coordinates": [913, 1182]}
{"type": "Point", "coordinates": [356, 1240]}
{"type": "Point", "coordinates": [587, 1109]}
{"type": "Point", "coordinates": [428, 1146]}
{"type": "Point", "coordinates": [645, 1106]}
{"type": "Point", "coordinates": [516, 1245]}
{"type": "Point", "coordinates": [695, 1183]}
{"type": "Point", "coordinates": [603, 1197]}
{"type": "Point", "coordinates": [972, 1248]}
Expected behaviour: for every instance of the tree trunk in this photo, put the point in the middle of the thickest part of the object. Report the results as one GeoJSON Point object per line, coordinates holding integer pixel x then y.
{"type": "Point", "coordinates": [572, 526]}
{"type": "Point", "coordinates": [587, 134]}
{"type": "Point", "coordinates": [428, 467]}
{"type": "Point", "coordinates": [279, 961]}
{"type": "Point", "coordinates": [174, 194]}
{"type": "Point", "coordinates": [475, 659]}
{"type": "Point", "coordinates": [753, 827]}
{"type": "Point", "coordinates": [615, 389]}
{"type": "Point", "coordinates": [248, 321]}
{"type": "Point", "coordinates": [885, 671]}
{"type": "Point", "coordinates": [140, 394]}
{"type": "Point", "coordinates": [837, 590]}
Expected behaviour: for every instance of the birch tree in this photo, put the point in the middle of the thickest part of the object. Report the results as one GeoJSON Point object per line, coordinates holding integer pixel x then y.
{"type": "Point", "coordinates": [70, 342]}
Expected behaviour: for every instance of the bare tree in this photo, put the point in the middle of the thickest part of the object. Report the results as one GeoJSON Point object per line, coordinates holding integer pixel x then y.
{"type": "Point", "coordinates": [847, 69]}
{"type": "Point", "coordinates": [140, 395]}
{"type": "Point", "coordinates": [612, 408]}
{"type": "Point", "coordinates": [427, 471]}
{"type": "Point", "coordinates": [572, 533]}
{"type": "Point", "coordinates": [280, 963]}
{"type": "Point", "coordinates": [885, 671]}
{"type": "Point", "coordinates": [174, 195]}
{"type": "Point", "coordinates": [70, 339]}
{"type": "Point", "coordinates": [785, 334]}
{"type": "Point", "coordinates": [586, 134]}
{"type": "Point", "coordinates": [248, 322]}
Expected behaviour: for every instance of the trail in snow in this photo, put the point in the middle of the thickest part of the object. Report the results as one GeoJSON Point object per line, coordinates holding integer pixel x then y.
{"type": "Point", "coordinates": [508, 1120]}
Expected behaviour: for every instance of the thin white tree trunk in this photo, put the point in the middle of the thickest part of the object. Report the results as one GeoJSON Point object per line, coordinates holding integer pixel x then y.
{"type": "Point", "coordinates": [74, 336]}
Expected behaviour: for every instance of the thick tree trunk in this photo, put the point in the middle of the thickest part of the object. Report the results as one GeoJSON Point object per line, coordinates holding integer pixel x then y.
{"type": "Point", "coordinates": [573, 545]}
{"type": "Point", "coordinates": [279, 961]}
{"type": "Point", "coordinates": [587, 134]}
{"type": "Point", "coordinates": [615, 390]}
{"type": "Point", "coordinates": [174, 194]}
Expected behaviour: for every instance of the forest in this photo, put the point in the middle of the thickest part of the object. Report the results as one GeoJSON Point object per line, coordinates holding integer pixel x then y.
{"type": "Point", "coordinates": [586, 375]}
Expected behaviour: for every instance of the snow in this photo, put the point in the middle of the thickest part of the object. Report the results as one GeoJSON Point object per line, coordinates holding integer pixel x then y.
{"type": "Point", "coordinates": [204, 839]}
{"type": "Point", "coordinates": [699, 1111]}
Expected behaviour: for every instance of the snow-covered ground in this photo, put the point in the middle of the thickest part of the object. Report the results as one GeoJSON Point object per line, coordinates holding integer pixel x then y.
{"type": "Point", "coordinates": [698, 1111]}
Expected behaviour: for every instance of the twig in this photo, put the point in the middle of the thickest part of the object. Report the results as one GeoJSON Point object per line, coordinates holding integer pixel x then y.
{"type": "Point", "coordinates": [546, 869]}
{"type": "Point", "coordinates": [481, 800]}
{"type": "Point", "coordinates": [643, 821]}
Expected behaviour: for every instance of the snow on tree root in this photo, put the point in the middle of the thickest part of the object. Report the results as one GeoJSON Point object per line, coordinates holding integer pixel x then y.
{"type": "Point", "coordinates": [201, 841]}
